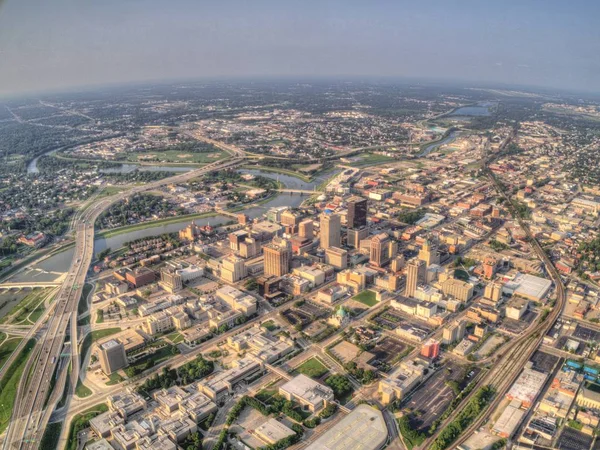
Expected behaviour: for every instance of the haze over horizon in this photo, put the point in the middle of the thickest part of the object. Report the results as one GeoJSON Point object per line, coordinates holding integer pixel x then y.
{"type": "Point", "coordinates": [68, 44]}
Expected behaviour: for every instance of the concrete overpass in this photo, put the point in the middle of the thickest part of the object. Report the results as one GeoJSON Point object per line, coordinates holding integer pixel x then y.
{"type": "Point", "coordinates": [31, 285]}
{"type": "Point", "coordinates": [298, 191]}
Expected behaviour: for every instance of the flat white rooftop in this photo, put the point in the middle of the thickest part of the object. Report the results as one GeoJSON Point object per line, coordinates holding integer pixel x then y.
{"type": "Point", "coordinates": [362, 429]}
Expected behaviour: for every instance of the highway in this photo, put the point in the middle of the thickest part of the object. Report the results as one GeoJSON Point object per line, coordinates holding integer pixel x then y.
{"type": "Point", "coordinates": [30, 415]}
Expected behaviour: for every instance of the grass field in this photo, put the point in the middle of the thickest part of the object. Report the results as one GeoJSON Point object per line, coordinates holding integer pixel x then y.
{"type": "Point", "coordinates": [269, 325]}
{"type": "Point", "coordinates": [114, 378]}
{"type": "Point", "coordinates": [10, 383]}
{"type": "Point", "coordinates": [176, 156]}
{"type": "Point", "coordinates": [82, 305]}
{"type": "Point", "coordinates": [7, 348]}
{"type": "Point", "coordinates": [369, 159]}
{"type": "Point", "coordinates": [26, 306]}
{"type": "Point", "coordinates": [366, 298]}
{"type": "Point", "coordinates": [51, 436]}
{"type": "Point", "coordinates": [312, 368]}
{"type": "Point", "coordinates": [81, 390]}
{"type": "Point", "coordinates": [176, 337]}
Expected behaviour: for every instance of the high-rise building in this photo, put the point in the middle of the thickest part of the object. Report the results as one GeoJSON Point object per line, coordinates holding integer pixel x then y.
{"type": "Point", "coordinates": [430, 349]}
{"type": "Point", "coordinates": [453, 332]}
{"type": "Point", "coordinates": [380, 249]}
{"type": "Point", "coordinates": [278, 257]}
{"type": "Point", "coordinates": [305, 229]}
{"type": "Point", "coordinates": [429, 253]}
{"type": "Point", "coordinates": [416, 272]}
{"type": "Point", "coordinates": [236, 238]}
{"type": "Point", "coordinates": [233, 269]}
{"type": "Point", "coordinates": [336, 257]}
{"type": "Point", "coordinates": [290, 218]}
{"type": "Point", "coordinates": [493, 291]}
{"type": "Point", "coordinates": [460, 290]}
{"type": "Point", "coordinates": [397, 263]}
{"type": "Point", "coordinates": [171, 280]}
{"type": "Point", "coordinates": [331, 231]}
{"type": "Point", "coordinates": [357, 212]}
{"type": "Point", "coordinates": [112, 356]}
{"type": "Point", "coordinates": [355, 236]}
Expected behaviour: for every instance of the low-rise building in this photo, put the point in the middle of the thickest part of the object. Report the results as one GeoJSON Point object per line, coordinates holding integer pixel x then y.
{"type": "Point", "coordinates": [306, 391]}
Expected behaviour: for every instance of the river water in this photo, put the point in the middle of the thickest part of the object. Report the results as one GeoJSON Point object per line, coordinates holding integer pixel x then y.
{"type": "Point", "coordinates": [431, 147]}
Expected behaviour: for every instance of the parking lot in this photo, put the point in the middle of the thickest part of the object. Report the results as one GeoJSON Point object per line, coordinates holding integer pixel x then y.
{"type": "Point", "coordinates": [432, 398]}
{"type": "Point", "coordinates": [586, 334]}
{"type": "Point", "coordinates": [388, 348]}
{"type": "Point", "coordinates": [571, 439]}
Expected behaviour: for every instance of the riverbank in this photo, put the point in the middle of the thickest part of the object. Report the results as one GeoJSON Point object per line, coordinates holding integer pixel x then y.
{"type": "Point", "coordinates": [150, 224]}
{"type": "Point", "coordinates": [291, 173]}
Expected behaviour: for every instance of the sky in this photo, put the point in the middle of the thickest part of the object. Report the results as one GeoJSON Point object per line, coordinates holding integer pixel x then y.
{"type": "Point", "coordinates": [63, 44]}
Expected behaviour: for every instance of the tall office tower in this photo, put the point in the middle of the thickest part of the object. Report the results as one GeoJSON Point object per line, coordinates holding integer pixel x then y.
{"type": "Point", "coordinates": [380, 249]}
{"type": "Point", "coordinates": [397, 263]}
{"type": "Point", "coordinates": [357, 212]}
{"type": "Point", "coordinates": [112, 356]}
{"type": "Point", "coordinates": [278, 257]}
{"type": "Point", "coordinates": [429, 253]}
{"type": "Point", "coordinates": [305, 229]}
{"type": "Point", "coordinates": [454, 332]}
{"type": "Point", "coordinates": [233, 269]}
{"type": "Point", "coordinates": [416, 272]}
{"type": "Point", "coordinates": [336, 257]}
{"type": "Point", "coordinates": [355, 236]}
{"type": "Point", "coordinates": [331, 231]}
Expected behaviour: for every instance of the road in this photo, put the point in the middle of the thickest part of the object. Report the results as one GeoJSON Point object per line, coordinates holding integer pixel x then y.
{"type": "Point", "coordinates": [31, 416]}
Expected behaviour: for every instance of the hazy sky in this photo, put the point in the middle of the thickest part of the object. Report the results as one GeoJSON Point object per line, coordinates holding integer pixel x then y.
{"type": "Point", "coordinates": [48, 44]}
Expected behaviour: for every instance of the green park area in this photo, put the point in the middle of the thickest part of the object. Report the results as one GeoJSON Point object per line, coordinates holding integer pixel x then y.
{"type": "Point", "coordinates": [312, 368]}
{"type": "Point", "coordinates": [10, 383]}
{"type": "Point", "coordinates": [366, 298]}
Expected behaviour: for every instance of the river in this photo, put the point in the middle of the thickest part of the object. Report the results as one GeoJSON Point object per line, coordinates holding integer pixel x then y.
{"type": "Point", "coordinates": [478, 110]}
{"type": "Point", "coordinates": [431, 147]}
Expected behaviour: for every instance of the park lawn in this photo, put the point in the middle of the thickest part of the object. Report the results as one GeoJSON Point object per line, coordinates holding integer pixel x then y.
{"type": "Point", "coordinates": [312, 368]}
{"type": "Point", "coordinates": [7, 348]}
{"type": "Point", "coordinates": [10, 382]}
{"type": "Point", "coordinates": [84, 321]}
{"type": "Point", "coordinates": [100, 316]}
{"type": "Point", "coordinates": [177, 156]}
{"type": "Point", "coordinates": [371, 159]}
{"type": "Point", "coordinates": [25, 306]}
{"type": "Point", "coordinates": [265, 394]}
{"type": "Point", "coordinates": [82, 305]}
{"type": "Point", "coordinates": [160, 355]}
{"type": "Point", "coordinates": [114, 378]}
{"type": "Point", "coordinates": [366, 298]}
{"type": "Point", "coordinates": [176, 337]}
{"type": "Point", "coordinates": [51, 436]}
{"type": "Point", "coordinates": [82, 390]}
{"type": "Point", "coordinates": [269, 325]}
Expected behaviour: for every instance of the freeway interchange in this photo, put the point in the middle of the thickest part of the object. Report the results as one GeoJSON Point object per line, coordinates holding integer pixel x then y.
{"type": "Point", "coordinates": [33, 404]}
